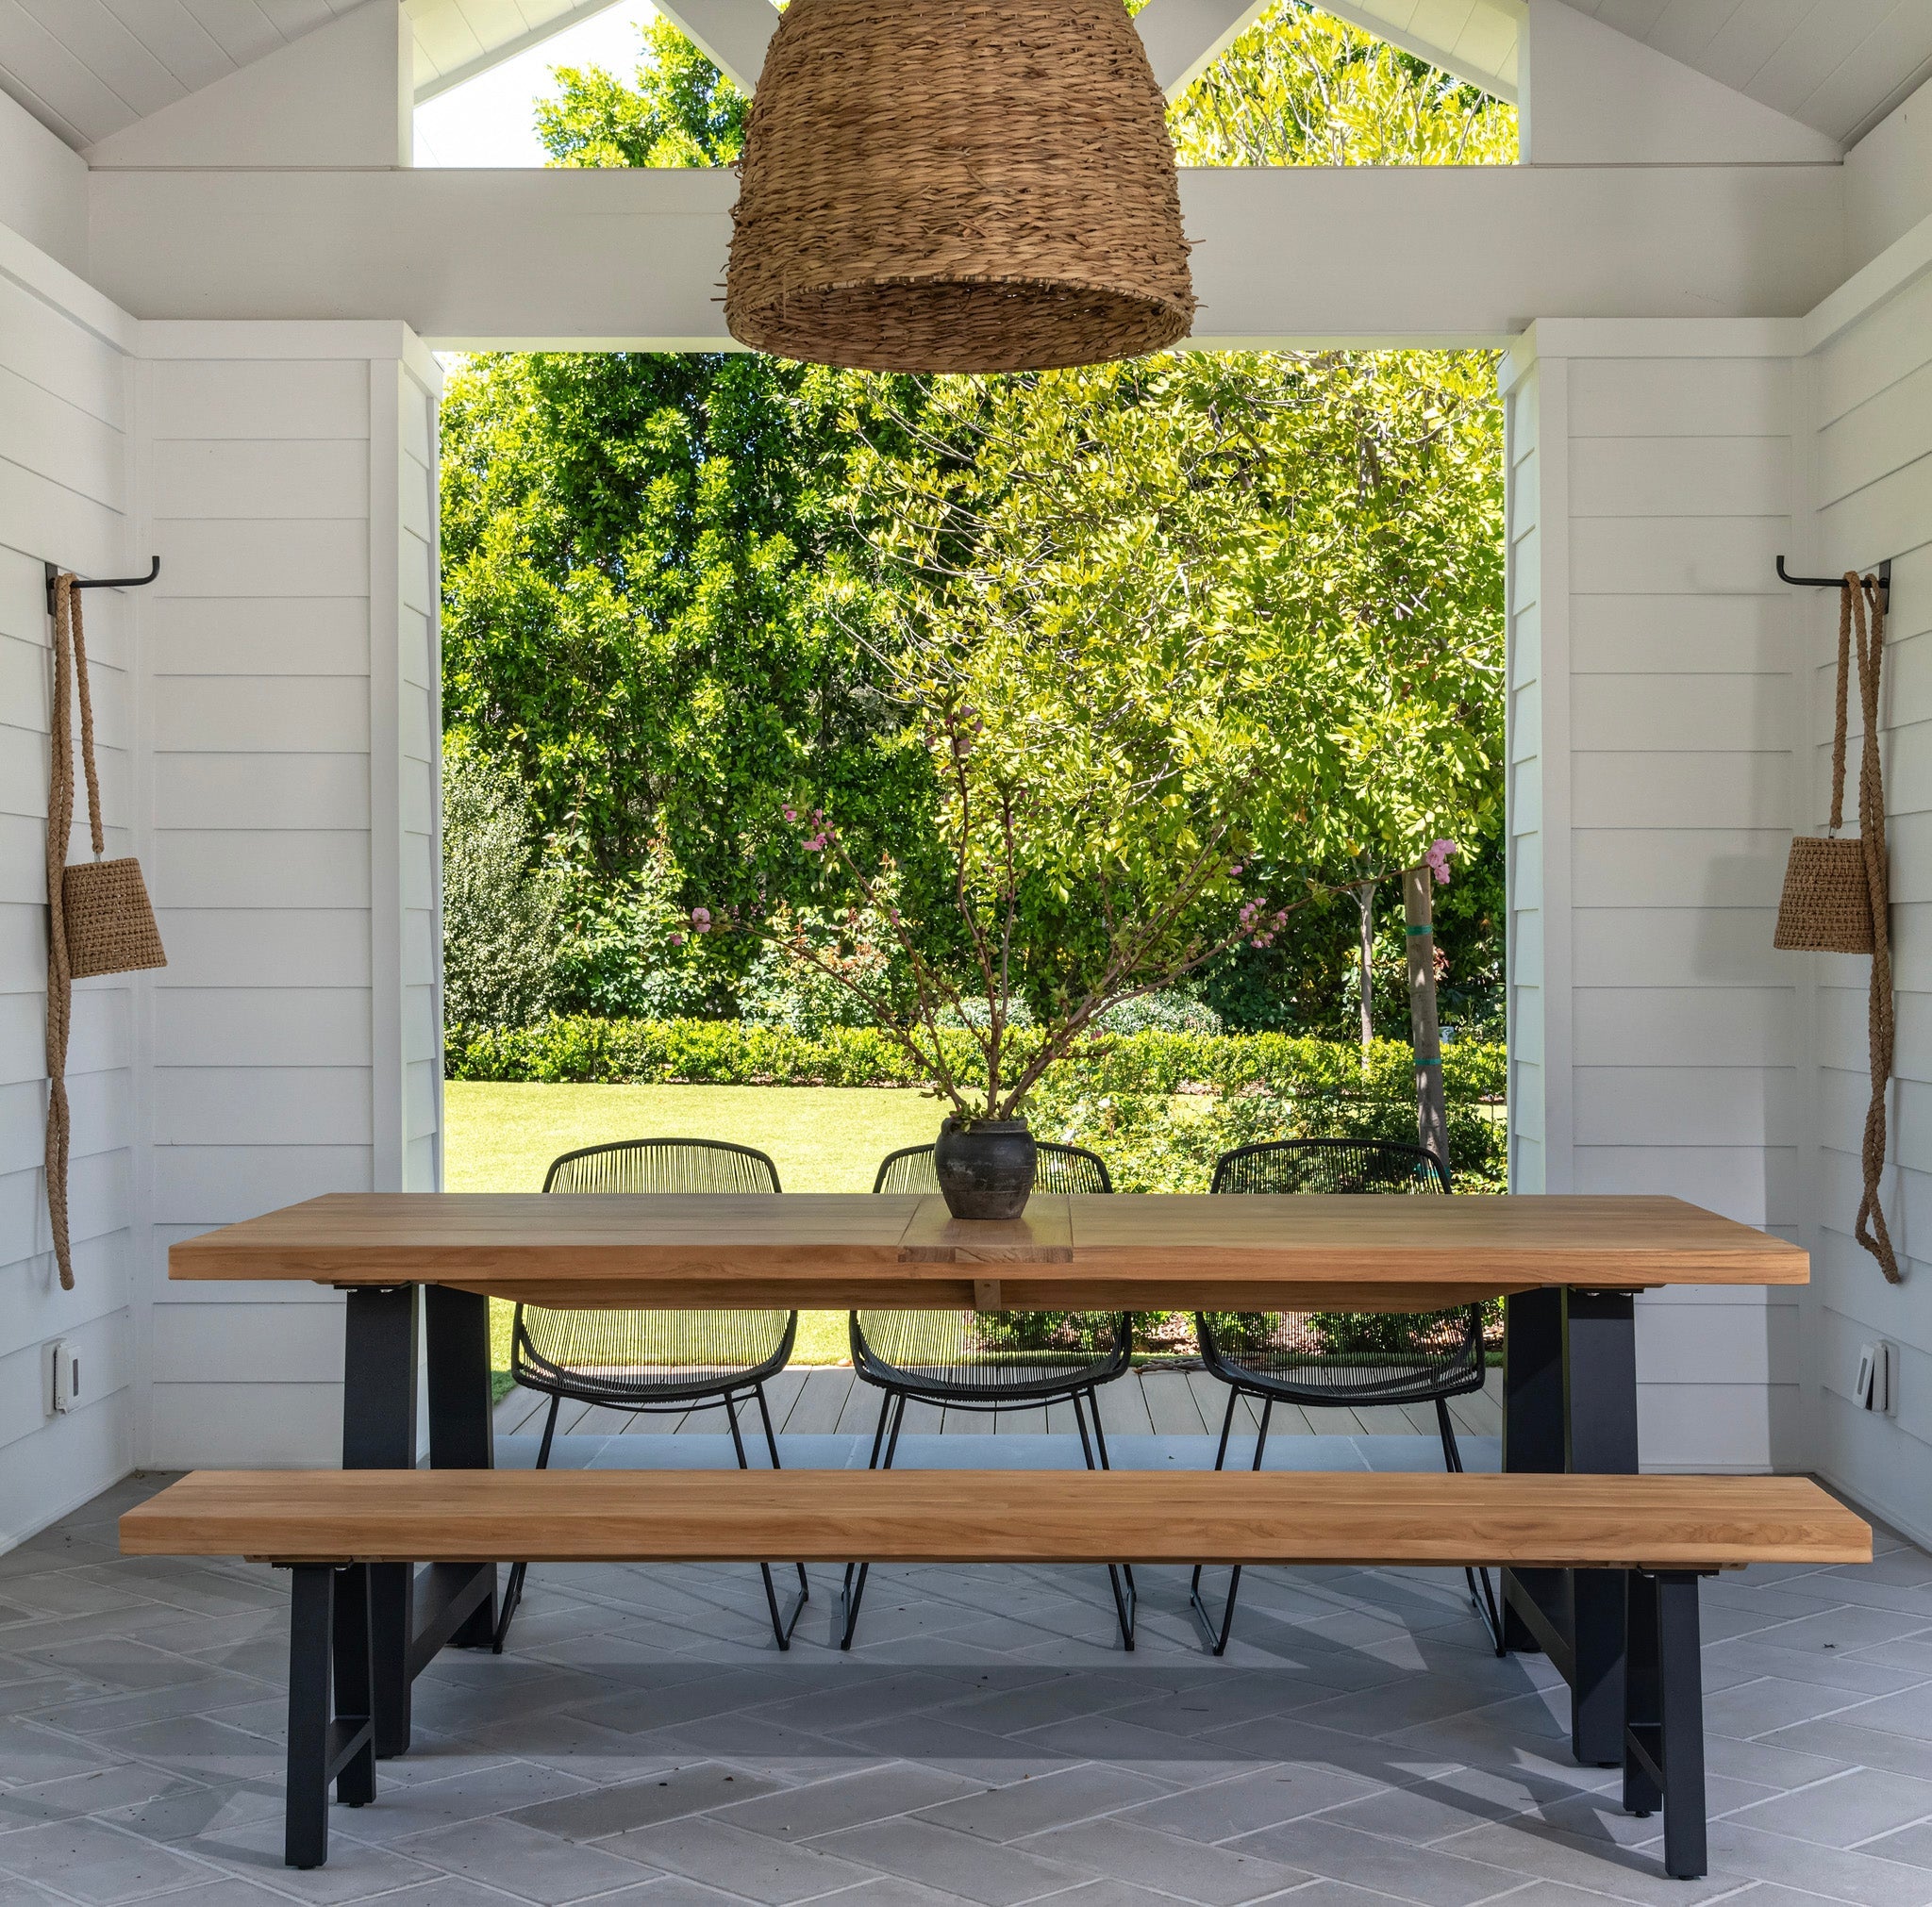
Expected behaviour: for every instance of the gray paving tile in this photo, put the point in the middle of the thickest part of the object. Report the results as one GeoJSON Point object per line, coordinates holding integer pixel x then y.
{"type": "Point", "coordinates": [1221, 1810]}
{"type": "Point", "coordinates": [1535, 1850]}
{"type": "Point", "coordinates": [1842, 1874]}
{"type": "Point", "coordinates": [1190, 1870]}
{"type": "Point", "coordinates": [753, 1866]}
{"type": "Point", "coordinates": [1911, 1844]}
{"type": "Point", "coordinates": [1841, 1812]}
{"type": "Point", "coordinates": [30, 1753]}
{"type": "Point", "coordinates": [524, 1861]}
{"type": "Point", "coordinates": [1906, 1714]}
{"type": "Point", "coordinates": [99, 1864]}
{"type": "Point", "coordinates": [612, 1810]}
{"type": "Point", "coordinates": [1054, 1799]}
{"type": "Point", "coordinates": [507, 1790]}
{"type": "Point", "coordinates": [356, 1872]}
{"type": "Point", "coordinates": [1434, 1874]}
{"type": "Point", "coordinates": [873, 1794]}
{"type": "Point", "coordinates": [954, 1863]}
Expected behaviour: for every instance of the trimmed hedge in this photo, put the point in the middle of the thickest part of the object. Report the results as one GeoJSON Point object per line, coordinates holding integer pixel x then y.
{"type": "Point", "coordinates": [581, 1049]}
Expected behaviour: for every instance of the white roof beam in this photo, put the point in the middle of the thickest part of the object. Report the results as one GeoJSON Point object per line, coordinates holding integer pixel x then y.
{"type": "Point", "coordinates": [1184, 38]}
{"type": "Point", "coordinates": [495, 56]}
{"type": "Point", "coordinates": [632, 259]}
{"type": "Point", "coordinates": [731, 34]}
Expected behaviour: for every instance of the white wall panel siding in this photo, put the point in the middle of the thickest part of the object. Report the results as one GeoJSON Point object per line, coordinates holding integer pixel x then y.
{"type": "Point", "coordinates": [66, 416]}
{"type": "Point", "coordinates": [290, 675]}
{"type": "Point", "coordinates": [1870, 387]}
{"type": "Point", "coordinates": [1668, 1061]}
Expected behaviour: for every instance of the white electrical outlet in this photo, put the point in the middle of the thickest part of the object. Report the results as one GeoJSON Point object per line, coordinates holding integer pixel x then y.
{"type": "Point", "coordinates": [64, 1371]}
{"type": "Point", "coordinates": [1875, 1386]}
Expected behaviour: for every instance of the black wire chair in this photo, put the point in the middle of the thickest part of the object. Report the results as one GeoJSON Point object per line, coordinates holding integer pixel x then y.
{"type": "Point", "coordinates": [1325, 1359]}
{"type": "Point", "coordinates": [994, 1361]}
{"type": "Point", "coordinates": [655, 1360]}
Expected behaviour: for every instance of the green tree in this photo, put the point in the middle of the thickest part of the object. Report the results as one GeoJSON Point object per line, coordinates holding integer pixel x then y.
{"type": "Point", "coordinates": [679, 588]}
{"type": "Point", "coordinates": [678, 110]}
{"type": "Point", "coordinates": [1301, 88]}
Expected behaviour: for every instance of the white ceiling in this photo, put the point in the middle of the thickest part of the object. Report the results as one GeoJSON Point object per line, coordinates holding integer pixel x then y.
{"type": "Point", "coordinates": [1838, 65]}
{"type": "Point", "coordinates": [87, 68]}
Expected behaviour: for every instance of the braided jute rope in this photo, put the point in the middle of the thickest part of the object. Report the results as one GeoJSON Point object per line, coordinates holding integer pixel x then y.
{"type": "Point", "coordinates": [1860, 593]}
{"type": "Point", "coordinates": [67, 636]}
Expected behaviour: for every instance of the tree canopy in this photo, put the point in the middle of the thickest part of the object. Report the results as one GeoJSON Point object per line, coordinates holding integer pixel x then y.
{"type": "Point", "coordinates": [1255, 589]}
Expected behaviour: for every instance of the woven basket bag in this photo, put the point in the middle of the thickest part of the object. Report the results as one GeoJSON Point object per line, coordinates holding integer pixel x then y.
{"type": "Point", "coordinates": [99, 918]}
{"type": "Point", "coordinates": [1827, 903]}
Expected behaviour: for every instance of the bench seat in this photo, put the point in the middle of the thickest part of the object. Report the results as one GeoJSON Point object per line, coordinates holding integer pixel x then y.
{"type": "Point", "coordinates": [1352, 1518]}
{"type": "Point", "coordinates": [329, 1527]}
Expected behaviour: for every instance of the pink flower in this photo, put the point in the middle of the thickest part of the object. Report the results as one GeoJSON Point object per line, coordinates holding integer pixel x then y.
{"type": "Point", "coordinates": [678, 940]}
{"type": "Point", "coordinates": [1438, 859]}
{"type": "Point", "coordinates": [701, 919]}
{"type": "Point", "coordinates": [789, 812]}
{"type": "Point", "coordinates": [1235, 869]}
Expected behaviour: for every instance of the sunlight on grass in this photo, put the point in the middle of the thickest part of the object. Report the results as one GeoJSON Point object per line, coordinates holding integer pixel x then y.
{"type": "Point", "coordinates": [501, 1139]}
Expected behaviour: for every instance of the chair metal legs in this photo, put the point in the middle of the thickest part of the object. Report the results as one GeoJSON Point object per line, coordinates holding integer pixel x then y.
{"type": "Point", "coordinates": [1482, 1594]}
{"type": "Point", "coordinates": [1218, 1632]}
{"type": "Point", "coordinates": [1120, 1576]}
{"type": "Point", "coordinates": [514, 1589]}
{"type": "Point", "coordinates": [782, 1624]}
{"type": "Point", "coordinates": [893, 1411]}
{"type": "Point", "coordinates": [1484, 1604]}
{"type": "Point", "coordinates": [885, 1445]}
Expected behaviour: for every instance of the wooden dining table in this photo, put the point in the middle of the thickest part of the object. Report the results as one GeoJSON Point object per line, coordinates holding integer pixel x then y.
{"type": "Point", "coordinates": [1567, 1267]}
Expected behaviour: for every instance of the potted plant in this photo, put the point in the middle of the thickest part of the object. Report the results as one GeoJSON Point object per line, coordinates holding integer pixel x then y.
{"type": "Point", "coordinates": [1001, 918]}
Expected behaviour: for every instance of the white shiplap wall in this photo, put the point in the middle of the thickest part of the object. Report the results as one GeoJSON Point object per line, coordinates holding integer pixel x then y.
{"type": "Point", "coordinates": [1869, 392]}
{"type": "Point", "coordinates": [64, 434]}
{"type": "Point", "coordinates": [1523, 392]}
{"type": "Point", "coordinates": [1651, 664]}
{"type": "Point", "coordinates": [293, 829]}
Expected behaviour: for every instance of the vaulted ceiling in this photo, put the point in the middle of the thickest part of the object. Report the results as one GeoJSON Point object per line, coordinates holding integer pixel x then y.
{"type": "Point", "coordinates": [87, 68]}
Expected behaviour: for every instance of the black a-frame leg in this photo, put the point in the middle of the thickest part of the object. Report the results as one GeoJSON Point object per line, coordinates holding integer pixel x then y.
{"type": "Point", "coordinates": [1663, 1726]}
{"type": "Point", "coordinates": [330, 1654]}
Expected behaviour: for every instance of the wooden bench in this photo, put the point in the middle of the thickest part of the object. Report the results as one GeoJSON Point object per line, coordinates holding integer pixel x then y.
{"type": "Point", "coordinates": [329, 1527]}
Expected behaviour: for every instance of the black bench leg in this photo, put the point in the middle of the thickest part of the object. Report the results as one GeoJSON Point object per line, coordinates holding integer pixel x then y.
{"type": "Point", "coordinates": [329, 1637]}
{"type": "Point", "coordinates": [1663, 1731]}
{"type": "Point", "coordinates": [304, 1836]}
{"type": "Point", "coordinates": [355, 1678]}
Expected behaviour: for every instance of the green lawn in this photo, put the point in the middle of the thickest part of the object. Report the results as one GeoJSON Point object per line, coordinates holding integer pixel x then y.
{"type": "Point", "coordinates": [824, 1138]}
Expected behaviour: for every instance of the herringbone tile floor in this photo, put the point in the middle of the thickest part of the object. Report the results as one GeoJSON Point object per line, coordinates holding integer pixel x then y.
{"type": "Point", "coordinates": [643, 1743]}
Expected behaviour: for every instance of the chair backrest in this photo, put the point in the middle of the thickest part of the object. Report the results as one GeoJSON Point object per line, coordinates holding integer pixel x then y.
{"type": "Point", "coordinates": [1330, 1166]}
{"type": "Point", "coordinates": [663, 1166]}
{"type": "Point", "coordinates": [1062, 1168]}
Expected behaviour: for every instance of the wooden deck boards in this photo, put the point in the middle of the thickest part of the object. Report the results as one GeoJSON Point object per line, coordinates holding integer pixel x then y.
{"type": "Point", "coordinates": [815, 1400]}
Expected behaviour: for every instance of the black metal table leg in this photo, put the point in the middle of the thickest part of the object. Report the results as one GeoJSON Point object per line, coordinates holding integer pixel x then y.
{"type": "Point", "coordinates": [462, 1419]}
{"type": "Point", "coordinates": [379, 1354]}
{"type": "Point", "coordinates": [1600, 1368]}
{"type": "Point", "coordinates": [1570, 1403]}
{"type": "Point", "coordinates": [1532, 1435]}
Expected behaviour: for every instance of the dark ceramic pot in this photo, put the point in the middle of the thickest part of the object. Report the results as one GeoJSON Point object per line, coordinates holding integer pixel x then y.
{"type": "Point", "coordinates": [985, 1170]}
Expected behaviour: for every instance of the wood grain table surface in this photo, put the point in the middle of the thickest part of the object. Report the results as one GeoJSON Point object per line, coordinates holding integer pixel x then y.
{"type": "Point", "coordinates": [1129, 1252]}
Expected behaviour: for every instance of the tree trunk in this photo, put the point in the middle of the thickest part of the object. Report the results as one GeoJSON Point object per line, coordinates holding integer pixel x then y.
{"type": "Point", "coordinates": [1418, 909]}
{"type": "Point", "coordinates": [1365, 899]}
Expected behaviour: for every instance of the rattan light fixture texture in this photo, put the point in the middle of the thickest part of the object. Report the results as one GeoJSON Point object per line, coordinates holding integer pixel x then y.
{"type": "Point", "coordinates": [957, 185]}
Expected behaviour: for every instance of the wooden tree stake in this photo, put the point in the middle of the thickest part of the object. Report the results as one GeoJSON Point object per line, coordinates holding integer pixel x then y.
{"type": "Point", "coordinates": [1418, 911]}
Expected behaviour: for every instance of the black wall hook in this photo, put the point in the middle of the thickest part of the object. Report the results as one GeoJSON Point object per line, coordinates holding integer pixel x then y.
{"type": "Point", "coordinates": [1784, 576]}
{"type": "Point", "coordinates": [130, 582]}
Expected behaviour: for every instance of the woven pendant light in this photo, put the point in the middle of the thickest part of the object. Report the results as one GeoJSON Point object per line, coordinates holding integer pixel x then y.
{"type": "Point", "coordinates": [957, 185]}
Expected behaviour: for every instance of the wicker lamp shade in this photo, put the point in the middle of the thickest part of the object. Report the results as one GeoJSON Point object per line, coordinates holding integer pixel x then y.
{"type": "Point", "coordinates": [957, 185]}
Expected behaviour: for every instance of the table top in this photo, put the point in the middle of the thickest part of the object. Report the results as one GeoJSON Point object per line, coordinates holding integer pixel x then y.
{"type": "Point", "coordinates": [1128, 1252]}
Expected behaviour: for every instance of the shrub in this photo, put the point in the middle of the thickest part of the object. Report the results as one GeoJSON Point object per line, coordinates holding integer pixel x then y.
{"type": "Point", "coordinates": [500, 915]}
